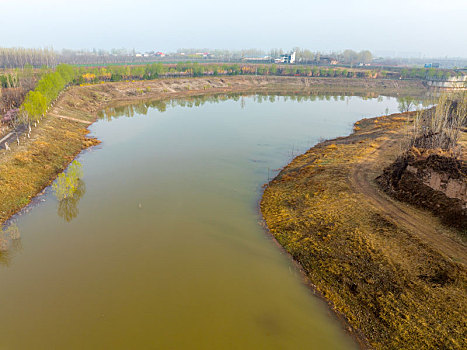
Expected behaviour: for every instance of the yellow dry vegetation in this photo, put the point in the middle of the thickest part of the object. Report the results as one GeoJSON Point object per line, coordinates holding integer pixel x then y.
{"type": "Point", "coordinates": [398, 291]}
{"type": "Point", "coordinates": [28, 168]}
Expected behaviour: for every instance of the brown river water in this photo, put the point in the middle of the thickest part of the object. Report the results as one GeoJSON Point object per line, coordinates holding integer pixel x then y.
{"type": "Point", "coordinates": [161, 247]}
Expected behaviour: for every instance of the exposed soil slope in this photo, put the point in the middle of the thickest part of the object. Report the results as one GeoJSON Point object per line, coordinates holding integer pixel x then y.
{"type": "Point", "coordinates": [434, 182]}
{"type": "Point", "coordinates": [363, 176]}
{"type": "Point", "coordinates": [395, 272]}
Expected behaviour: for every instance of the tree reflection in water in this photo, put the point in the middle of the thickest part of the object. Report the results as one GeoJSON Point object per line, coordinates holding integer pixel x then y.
{"type": "Point", "coordinates": [10, 242]}
{"type": "Point", "coordinates": [196, 101]}
{"type": "Point", "coordinates": [68, 207]}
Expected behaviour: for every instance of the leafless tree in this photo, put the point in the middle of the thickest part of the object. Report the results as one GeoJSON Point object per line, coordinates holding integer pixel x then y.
{"type": "Point", "coordinates": [440, 126]}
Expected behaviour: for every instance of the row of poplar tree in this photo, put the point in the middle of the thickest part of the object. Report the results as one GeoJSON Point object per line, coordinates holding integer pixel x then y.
{"type": "Point", "coordinates": [37, 101]}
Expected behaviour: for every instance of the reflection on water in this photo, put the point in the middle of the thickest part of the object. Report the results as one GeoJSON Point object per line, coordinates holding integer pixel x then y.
{"type": "Point", "coordinates": [66, 183]}
{"type": "Point", "coordinates": [196, 101]}
{"type": "Point", "coordinates": [410, 103]}
{"type": "Point", "coordinates": [10, 242]}
{"type": "Point", "coordinates": [68, 206]}
{"type": "Point", "coordinates": [167, 252]}
{"type": "Point", "coordinates": [68, 189]}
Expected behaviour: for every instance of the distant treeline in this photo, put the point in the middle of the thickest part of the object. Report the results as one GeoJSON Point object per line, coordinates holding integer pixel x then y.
{"type": "Point", "coordinates": [304, 56]}
{"type": "Point", "coordinates": [51, 83]}
{"type": "Point", "coordinates": [19, 57]}
{"type": "Point", "coordinates": [428, 73]}
{"type": "Point", "coordinates": [48, 58]}
{"type": "Point", "coordinates": [187, 69]}
{"type": "Point", "coordinates": [190, 69]}
{"type": "Point", "coordinates": [15, 83]}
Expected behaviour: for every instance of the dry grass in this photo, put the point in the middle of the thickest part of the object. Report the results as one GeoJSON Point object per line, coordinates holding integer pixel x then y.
{"type": "Point", "coordinates": [27, 169]}
{"type": "Point", "coordinates": [399, 291]}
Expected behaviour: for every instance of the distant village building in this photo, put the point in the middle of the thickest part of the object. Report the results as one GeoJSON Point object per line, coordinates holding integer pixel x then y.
{"type": "Point", "coordinates": [324, 61]}
{"type": "Point", "coordinates": [150, 54]}
{"type": "Point", "coordinates": [265, 59]}
{"type": "Point", "coordinates": [203, 54]}
{"type": "Point", "coordinates": [432, 65]}
{"type": "Point", "coordinates": [287, 58]}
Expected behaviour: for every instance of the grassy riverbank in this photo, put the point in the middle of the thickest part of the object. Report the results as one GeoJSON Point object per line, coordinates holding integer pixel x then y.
{"type": "Point", "coordinates": [394, 272]}
{"type": "Point", "coordinates": [30, 167]}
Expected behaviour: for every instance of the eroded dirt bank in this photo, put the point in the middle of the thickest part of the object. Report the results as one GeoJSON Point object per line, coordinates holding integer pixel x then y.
{"type": "Point", "coordinates": [430, 181]}
{"type": "Point", "coordinates": [395, 272]}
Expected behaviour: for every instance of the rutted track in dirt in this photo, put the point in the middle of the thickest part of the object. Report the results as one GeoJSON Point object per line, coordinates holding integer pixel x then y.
{"type": "Point", "coordinates": [362, 181]}
{"type": "Point", "coordinates": [70, 118]}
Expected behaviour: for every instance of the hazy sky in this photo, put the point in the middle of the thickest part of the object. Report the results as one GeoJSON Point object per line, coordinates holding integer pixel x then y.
{"type": "Point", "coordinates": [430, 27]}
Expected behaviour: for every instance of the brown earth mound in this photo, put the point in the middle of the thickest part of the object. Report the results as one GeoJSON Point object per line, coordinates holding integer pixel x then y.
{"type": "Point", "coordinates": [434, 182]}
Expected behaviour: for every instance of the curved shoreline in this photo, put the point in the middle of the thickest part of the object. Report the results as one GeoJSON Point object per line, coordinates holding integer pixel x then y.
{"type": "Point", "coordinates": [355, 334]}
{"type": "Point", "coordinates": [78, 107]}
{"type": "Point", "coordinates": [33, 165]}
{"type": "Point", "coordinates": [369, 266]}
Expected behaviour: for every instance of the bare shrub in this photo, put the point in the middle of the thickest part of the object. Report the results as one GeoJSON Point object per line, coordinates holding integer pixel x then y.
{"type": "Point", "coordinates": [440, 127]}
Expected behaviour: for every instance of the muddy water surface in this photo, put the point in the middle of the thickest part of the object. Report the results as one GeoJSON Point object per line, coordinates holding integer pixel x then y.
{"type": "Point", "coordinates": [161, 247]}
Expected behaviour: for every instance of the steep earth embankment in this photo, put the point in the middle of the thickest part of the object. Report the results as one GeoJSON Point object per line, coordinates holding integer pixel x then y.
{"type": "Point", "coordinates": [430, 181]}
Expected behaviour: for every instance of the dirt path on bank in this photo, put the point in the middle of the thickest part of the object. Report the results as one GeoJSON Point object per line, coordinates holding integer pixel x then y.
{"type": "Point", "coordinates": [392, 270]}
{"type": "Point", "coordinates": [362, 178]}
{"type": "Point", "coordinates": [10, 138]}
{"type": "Point", "coordinates": [70, 118]}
